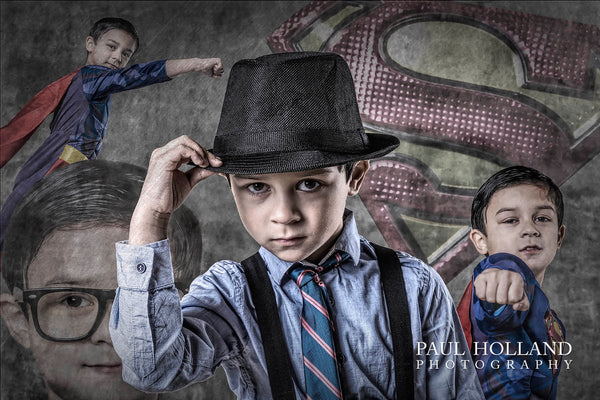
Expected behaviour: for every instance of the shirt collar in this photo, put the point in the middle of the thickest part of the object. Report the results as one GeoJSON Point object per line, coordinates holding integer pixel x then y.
{"type": "Point", "coordinates": [348, 241]}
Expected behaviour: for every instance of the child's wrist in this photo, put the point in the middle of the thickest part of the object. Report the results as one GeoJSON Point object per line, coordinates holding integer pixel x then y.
{"type": "Point", "coordinates": [198, 64]}
{"type": "Point", "coordinates": [148, 226]}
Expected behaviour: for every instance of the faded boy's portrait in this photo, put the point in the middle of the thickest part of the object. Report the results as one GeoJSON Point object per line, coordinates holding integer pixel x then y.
{"type": "Point", "coordinates": [57, 266]}
{"type": "Point", "coordinates": [467, 89]}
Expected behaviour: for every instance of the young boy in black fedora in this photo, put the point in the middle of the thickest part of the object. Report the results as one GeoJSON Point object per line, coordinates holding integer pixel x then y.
{"type": "Point", "coordinates": [318, 312]}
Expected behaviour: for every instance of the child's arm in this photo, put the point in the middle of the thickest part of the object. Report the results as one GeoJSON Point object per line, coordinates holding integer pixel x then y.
{"type": "Point", "coordinates": [166, 187]}
{"type": "Point", "coordinates": [508, 279]}
{"type": "Point", "coordinates": [209, 66]}
{"type": "Point", "coordinates": [504, 278]}
{"type": "Point", "coordinates": [99, 82]}
{"type": "Point", "coordinates": [498, 286]}
{"type": "Point", "coordinates": [163, 347]}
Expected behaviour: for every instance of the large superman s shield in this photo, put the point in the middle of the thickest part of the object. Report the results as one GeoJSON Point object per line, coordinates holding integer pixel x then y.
{"type": "Point", "coordinates": [468, 90]}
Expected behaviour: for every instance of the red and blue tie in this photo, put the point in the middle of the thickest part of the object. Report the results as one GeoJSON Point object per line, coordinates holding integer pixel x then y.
{"type": "Point", "coordinates": [318, 349]}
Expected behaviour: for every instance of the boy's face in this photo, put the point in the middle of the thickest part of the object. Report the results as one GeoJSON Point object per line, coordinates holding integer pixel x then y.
{"type": "Point", "coordinates": [113, 49]}
{"type": "Point", "coordinates": [521, 220]}
{"type": "Point", "coordinates": [296, 215]}
{"type": "Point", "coordinates": [88, 368]}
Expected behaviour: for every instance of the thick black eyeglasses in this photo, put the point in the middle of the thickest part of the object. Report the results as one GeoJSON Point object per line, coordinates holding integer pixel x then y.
{"type": "Point", "coordinates": [68, 314]}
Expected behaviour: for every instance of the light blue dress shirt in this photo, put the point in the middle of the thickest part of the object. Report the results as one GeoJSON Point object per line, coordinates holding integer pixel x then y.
{"type": "Point", "coordinates": [165, 344]}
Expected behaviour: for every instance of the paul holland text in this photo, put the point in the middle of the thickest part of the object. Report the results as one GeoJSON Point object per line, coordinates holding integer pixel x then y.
{"type": "Point", "coordinates": [508, 355]}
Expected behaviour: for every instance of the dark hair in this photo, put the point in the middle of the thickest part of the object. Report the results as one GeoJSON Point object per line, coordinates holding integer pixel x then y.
{"type": "Point", "coordinates": [86, 195]}
{"type": "Point", "coordinates": [512, 176]}
{"type": "Point", "coordinates": [106, 24]}
{"type": "Point", "coordinates": [348, 167]}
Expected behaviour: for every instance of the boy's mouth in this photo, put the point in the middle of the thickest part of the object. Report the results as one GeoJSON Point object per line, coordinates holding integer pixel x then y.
{"type": "Point", "coordinates": [531, 249]}
{"type": "Point", "coordinates": [288, 241]}
{"type": "Point", "coordinates": [106, 368]}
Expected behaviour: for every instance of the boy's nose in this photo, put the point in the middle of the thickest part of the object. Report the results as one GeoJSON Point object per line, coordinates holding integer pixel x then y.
{"type": "Point", "coordinates": [285, 210]}
{"type": "Point", "coordinates": [529, 229]}
{"type": "Point", "coordinates": [116, 55]}
{"type": "Point", "coordinates": [102, 334]}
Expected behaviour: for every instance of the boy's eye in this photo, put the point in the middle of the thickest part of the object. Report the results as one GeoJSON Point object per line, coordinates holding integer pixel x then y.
{"type": "Point", "coordinates": [542, 219]}
{"type": "Point", "coordinates": [308, 185]}
{"type": "Point", "coordinates": [258, 188]}
{"type": "Point", "coordinates": [126, 55]}
{"type": "Point", "coordinates": [510, 221]}
{"type": "Point", "coordinates": [76, 301]}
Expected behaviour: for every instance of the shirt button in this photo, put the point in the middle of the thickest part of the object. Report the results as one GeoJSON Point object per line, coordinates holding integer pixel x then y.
{"type": "Point", "coordinates": [331, 300]}
{"type": "Point", "coordinates": [141, 268]}
{"type": "Point", "coordinates": [341, 359]}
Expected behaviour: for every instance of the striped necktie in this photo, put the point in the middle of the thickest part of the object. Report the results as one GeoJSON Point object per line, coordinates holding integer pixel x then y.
{"type": "Point", "coordinates": [320, 361]}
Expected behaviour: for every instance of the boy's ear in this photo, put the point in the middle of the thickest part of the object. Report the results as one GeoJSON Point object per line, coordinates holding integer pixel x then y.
{"type": "Point", "coordinates": [15, 320]}
{"type": "Point", "coordinates": [357, 177]}
{"type": "Point", "coordinates": [561, 235]}
{"type": "Point", "coordinates": [479, 240]}
{"type": "Point", "coordinates": [89, 44]}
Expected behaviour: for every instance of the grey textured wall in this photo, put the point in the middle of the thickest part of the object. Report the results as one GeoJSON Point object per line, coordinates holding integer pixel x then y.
{"type": "Point", "coordinates": [41, 41]}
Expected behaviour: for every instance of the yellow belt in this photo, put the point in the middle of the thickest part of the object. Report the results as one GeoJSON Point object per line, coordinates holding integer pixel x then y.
{"type": "Point", "coordinates": [71, 155]}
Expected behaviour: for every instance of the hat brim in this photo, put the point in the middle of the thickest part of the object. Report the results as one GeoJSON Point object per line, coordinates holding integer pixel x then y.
{"type": "Point", "coordinates": [282, 161]}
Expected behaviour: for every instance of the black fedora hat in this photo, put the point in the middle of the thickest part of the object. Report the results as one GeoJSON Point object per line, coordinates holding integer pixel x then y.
{"type": "Point", "coordinates": [290, 112]}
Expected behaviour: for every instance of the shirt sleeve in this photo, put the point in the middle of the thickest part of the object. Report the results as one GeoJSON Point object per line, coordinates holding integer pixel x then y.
{"type": "Point", "coordinates": [443, 365]}
{"type": "Point", "coordinates": [99, 82]}
{"type": "Point", "coordinates": [161, 347]}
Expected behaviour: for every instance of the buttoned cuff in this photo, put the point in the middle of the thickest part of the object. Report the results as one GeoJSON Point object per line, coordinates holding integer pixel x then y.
{"type": "Point", "coordinates": [145, 267]}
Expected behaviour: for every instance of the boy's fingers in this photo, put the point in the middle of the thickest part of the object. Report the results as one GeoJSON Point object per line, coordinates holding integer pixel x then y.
{"type": "Point", "coordinates": [503, 291]}
{"type": "Point", "coordinates": [171, 159]}
{"type": "Point", "coordinates": [516, 291]}
{"type": "Point", "coordinates": [200, 157]}
{"type": "Point", "coordinates": [207, 159]}
{"type": "Point", "coordinates": [213, 160]}
{"type": "Point", "coordinates": [191, 143]}
{"type": "Point", "coordinates": [212, 67]}
{"type": "Point", "coordinates": [178, 141]}
{"type": "Point", "coordinates": [218, 65]}
{"type": "Point", "coordinates": [217, 72]}
{"type": "Point", "coordinates": [184, 149]}
{"type": "Point", "coordinates": [522, 305]}
{"type": "Point", "coordinates": [479, 286]}
{"type": "Point", "coordinates": [501, 287]}
{"type": "Point", "coordinates": [490, 291]}
{"type": "Point", "coordinates": [196, 175]}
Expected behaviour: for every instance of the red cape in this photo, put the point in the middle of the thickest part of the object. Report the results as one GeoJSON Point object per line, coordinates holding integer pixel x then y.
{"type": "Point", "coordinates": [16, 133]}
{"type": "Point", "coordinates": [464, 311]}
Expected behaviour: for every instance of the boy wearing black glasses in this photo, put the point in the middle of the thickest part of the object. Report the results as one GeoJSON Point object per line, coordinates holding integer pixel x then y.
{"type": "Point", "coordinates": [59, 266]}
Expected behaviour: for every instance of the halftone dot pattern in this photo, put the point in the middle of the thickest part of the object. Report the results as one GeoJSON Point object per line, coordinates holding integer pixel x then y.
{"type": "Point", "coordinates": [556, 56]}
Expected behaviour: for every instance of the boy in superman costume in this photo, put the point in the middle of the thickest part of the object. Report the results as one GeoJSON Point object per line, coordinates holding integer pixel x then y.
{"type": "Point", "coordinates": [516, 339]}
{"type": "Point", "coordinates": [81, 102]}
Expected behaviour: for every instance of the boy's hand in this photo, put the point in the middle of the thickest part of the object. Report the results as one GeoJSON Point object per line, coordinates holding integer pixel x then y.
{"type": "Point", "coordinates": [165, 187]}
{"type": "Point", "coordinates": [500, 286]}
{"type": "Point", "coordinates": [211, 67]}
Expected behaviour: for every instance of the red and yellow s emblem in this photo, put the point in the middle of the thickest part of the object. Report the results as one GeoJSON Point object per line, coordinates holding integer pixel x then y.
{"type": "Point", "coordinates": [468, 90]}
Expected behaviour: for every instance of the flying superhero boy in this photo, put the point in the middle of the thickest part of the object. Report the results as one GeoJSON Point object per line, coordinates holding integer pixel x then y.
{"type": "Point", "coordinates": [81, 102]}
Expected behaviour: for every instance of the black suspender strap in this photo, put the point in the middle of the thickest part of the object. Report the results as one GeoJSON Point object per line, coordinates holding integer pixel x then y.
{"type": "Point", "coordinates": [399, 315]}
{"type": "Point", "coordinates": [269, 324]}
{"type": "Point", "coordinates": [275, 348]}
